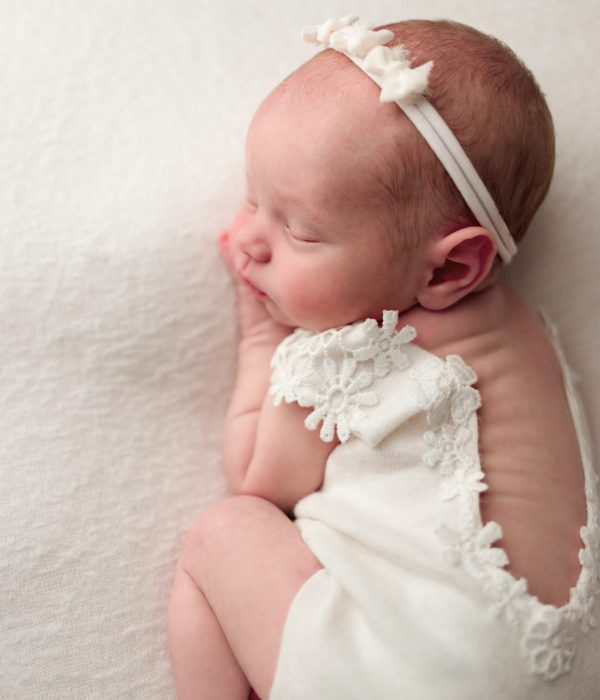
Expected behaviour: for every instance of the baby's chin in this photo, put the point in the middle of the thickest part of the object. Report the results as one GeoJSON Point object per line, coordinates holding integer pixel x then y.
{"type": "Point", "coordinates": [278, 315]}
{"type": "Point", "coordinates": [317, 324]}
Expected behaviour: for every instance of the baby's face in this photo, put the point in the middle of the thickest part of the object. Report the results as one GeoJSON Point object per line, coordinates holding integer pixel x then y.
{"type": "Point", "coordinates": [310, 239]}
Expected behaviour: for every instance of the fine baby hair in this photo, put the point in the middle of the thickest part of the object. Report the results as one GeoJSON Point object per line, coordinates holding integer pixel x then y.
{"type": "Point", "coordinates": [474, 103]}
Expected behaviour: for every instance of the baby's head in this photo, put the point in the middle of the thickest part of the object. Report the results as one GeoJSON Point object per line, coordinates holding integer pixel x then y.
{"type": "Point", "coordinates": [360, 169]}
{"type": "Point", "coordinates": [490, 101]}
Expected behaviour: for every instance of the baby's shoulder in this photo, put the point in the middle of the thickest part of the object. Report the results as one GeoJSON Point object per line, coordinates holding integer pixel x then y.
{"type": "Point", "coordinates": [519, 374]}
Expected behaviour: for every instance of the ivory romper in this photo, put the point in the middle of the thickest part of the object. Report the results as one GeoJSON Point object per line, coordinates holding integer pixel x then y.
{"type": "Point", "coordinates": [413, 602]}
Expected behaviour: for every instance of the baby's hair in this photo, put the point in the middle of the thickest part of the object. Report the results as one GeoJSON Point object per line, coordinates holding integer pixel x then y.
{"type": "Point", "coordinates": [494, 106]}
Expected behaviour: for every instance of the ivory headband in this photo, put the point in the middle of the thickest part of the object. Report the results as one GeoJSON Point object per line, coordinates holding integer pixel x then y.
{"type": "Point", "coordinates": [390, 68]}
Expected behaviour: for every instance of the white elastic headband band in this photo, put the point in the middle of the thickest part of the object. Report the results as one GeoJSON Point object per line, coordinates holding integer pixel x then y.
{"type": "Point", "coordinates": [390, 68]}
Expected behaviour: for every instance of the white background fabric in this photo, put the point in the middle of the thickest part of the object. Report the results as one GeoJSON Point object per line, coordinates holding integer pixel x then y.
{"type": "Point", "coordinates": [122, 125]}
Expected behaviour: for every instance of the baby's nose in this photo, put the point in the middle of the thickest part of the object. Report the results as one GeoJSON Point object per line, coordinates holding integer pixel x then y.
{"type": "Point", "coordinates": [258, 250]}
{"type": "Point", "coordinates": [253, 243]}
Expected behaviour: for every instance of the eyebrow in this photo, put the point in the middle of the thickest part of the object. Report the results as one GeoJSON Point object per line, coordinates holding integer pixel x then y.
{"type": "Point", "coordinates": [290, 199]}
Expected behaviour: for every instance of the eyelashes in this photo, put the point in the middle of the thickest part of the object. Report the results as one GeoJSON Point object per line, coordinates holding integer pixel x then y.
{"type": "Point", "coordinates": [297, 235]}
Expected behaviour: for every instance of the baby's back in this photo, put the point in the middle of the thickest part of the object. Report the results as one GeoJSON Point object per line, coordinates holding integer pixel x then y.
{"type": "Point", "coordinates": [527, 440]}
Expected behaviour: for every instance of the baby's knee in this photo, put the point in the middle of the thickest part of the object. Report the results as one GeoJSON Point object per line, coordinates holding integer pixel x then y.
{"type": "Point", "coordinates": [220, 525]}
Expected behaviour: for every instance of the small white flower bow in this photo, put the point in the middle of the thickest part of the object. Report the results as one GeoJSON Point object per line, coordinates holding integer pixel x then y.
{"type": "Point", "coordinates": [389, 65]}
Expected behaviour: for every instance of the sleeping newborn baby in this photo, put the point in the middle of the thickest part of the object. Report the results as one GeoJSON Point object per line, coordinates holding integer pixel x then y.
{"type": "Point", "coordinates": [414, 511]}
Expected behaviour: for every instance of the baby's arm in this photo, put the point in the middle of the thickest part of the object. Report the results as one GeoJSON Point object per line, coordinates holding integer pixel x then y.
{"type": "Point", "coordinates": [267, 450]}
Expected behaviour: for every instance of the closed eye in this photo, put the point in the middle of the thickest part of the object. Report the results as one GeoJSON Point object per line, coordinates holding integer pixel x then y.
{"type": "Point", "coordinates": [304, 239]}
{"type": "Point", "coordinates": [298, 236]}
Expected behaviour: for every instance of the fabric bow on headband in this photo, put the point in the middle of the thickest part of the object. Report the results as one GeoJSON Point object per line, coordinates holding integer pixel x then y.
{"type": "Point", "coordinates": [399, 82]}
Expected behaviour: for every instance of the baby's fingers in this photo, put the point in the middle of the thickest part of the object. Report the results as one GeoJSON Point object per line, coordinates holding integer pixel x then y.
{"type": "Point", "coordinates": [225, 252]}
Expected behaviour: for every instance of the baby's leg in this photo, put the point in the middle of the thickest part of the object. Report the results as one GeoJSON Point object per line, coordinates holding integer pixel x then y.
{"type": "Point", "coordinates": [241, 566]}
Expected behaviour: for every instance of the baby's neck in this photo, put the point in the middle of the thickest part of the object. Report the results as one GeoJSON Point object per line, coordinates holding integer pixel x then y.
{"type": "Point", "coordinates": [476, 316]}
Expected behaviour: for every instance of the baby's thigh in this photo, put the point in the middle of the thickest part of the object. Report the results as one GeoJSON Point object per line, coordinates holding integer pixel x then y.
{"type": "Point", "coordinates": [250, 561]}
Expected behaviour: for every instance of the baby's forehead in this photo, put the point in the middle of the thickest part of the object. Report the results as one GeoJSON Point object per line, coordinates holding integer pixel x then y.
{"type": "Point", "coordinates": [330, 111]}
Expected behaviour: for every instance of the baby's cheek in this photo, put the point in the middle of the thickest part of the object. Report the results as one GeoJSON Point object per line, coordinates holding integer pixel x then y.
{"type": "Point", "coordinates": [316, 300]}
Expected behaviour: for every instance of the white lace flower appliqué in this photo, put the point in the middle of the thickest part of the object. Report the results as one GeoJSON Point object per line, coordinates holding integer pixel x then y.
{"type": "Point", "coordinates": [463, 481]}
{"type": "Point", "coordinates": [384, 345]}
{"type": "Point", "coordinates": [338, 400]}
{"type": "Point", "coordinates": [444, 390]}
{"type": "Point", "coordinates": [332, 371]}
{"type": "Point", "coordinates": [473, 549]}
{"type": "Point", "coordinates": [448, 448]}
{"type": "Point", "coordinates": [549, 644]}
{"type": "Point", "coordinates": [590, 555]}
{"type": "Point", "coordinates": [290, 368]}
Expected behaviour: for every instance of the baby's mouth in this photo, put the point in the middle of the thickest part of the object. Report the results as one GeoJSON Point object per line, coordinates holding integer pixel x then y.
{"type": "Point", "coordinates": [259, 292]}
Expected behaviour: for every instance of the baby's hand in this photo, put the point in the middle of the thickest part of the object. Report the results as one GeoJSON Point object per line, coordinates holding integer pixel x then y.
{"type": "Point", "coordinates": [226, 253]}
{"type": "Point", "coordinates": [253, 317]}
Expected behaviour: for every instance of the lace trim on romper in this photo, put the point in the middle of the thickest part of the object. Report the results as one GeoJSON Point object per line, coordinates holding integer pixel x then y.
{"type": "Point", "coordinates": [332, 372]}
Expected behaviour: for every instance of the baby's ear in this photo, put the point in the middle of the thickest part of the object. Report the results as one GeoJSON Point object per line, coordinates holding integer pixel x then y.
{"type": "Point", "coordinates": [459, 262]}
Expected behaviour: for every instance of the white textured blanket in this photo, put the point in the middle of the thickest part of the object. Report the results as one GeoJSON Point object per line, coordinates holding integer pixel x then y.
{"type": "Point", "coordinates": [122, 125]}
